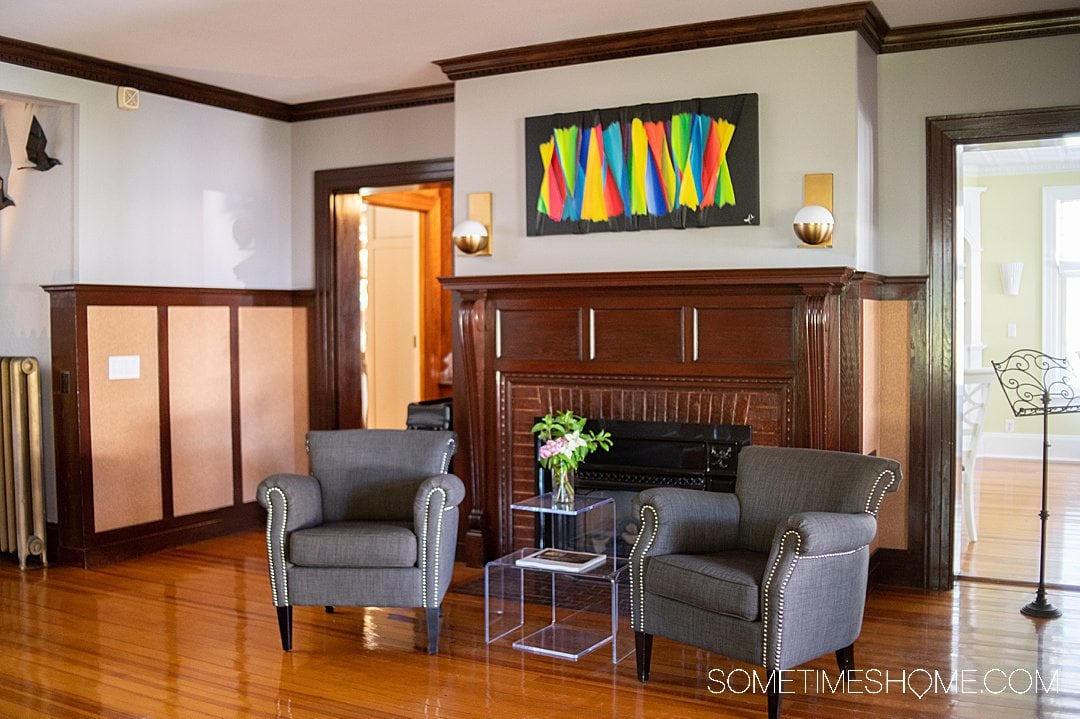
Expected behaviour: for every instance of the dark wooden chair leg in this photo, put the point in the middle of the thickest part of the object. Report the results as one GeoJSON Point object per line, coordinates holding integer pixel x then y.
{"type": "Point", "coordinates": [329, 609]}
{"type": "Point", "coordinates": [433, 630]}
{"type": "Point", "coordinates": [772, 694]}
{"type": "Point", "coordinates": [643, 652]}
{"type": "Point", "coordinates": [284, 621]}
{"type": "Point", "coordinates": [845, 658]}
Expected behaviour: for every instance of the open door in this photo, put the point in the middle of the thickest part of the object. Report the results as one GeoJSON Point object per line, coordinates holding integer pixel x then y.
{"type": "Point", "coordinates": [337, 372]}
{"type": "Point", "coordinates": [380, 324]}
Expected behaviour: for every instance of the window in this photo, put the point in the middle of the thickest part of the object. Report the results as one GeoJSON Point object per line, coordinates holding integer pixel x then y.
{"type": "Point", "coordinates": [1061, 271]}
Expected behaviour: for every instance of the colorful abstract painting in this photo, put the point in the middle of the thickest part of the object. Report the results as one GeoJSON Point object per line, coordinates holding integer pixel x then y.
{"type": "Point", "coordinates": [692, 163]}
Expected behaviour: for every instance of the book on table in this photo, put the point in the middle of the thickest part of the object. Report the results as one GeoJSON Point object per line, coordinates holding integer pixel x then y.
{"type": "Point", "coordinates": [562, 559]}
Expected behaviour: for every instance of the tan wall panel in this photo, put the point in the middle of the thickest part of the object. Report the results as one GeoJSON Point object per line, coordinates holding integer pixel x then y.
{"type": "Point", "coordinates": [200, 409]}
{"type": "Point", "coordinates": [894, 424]}
{"type": "Point", "coordinates": [125, 424]}
{"type": "Point", "coordinates": [273, 393]}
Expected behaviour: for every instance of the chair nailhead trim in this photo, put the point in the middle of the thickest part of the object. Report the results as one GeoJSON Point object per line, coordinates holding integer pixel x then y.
{"type": "Point", "coordinates": [779, 599]}
{"type": "Point", "coordinates": [446, 456]}
{"type": "Point", "coordinates": [880, 497]}
{"type": "Point", "coordinates": [641, 566]}
{"type": "Point", "coordinates": [834, 554]}
{"type": "Point", "coordinates": [270, 544]}
{"type": "Point", "coordinates": [423, 548]}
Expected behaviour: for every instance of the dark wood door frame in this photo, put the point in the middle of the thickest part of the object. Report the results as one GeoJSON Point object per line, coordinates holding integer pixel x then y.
{"type": "Point", "coordinates": [943, 135]}
{"type": "Point", "coordinates": [330, 366]}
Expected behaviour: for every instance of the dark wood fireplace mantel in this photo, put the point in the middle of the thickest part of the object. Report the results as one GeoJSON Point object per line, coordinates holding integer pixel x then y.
{"type": "Point", "coordinates": [775, 348]}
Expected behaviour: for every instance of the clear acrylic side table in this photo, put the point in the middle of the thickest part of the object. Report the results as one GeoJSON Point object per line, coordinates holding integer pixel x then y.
{"type": "Point", "coordinates": [576, 612]}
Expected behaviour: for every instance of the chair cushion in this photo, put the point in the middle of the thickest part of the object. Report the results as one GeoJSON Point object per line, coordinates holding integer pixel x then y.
{"type": "Point", "coordinates": [724, 583]}
{"type": "Point", "coordinates": [354, 544]}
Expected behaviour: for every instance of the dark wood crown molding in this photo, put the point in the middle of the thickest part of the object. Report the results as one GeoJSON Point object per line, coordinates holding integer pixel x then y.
{"type": "Point", "coordinates": [373, 102]}
{"type": "Point", "coordinates": [40, 57]}
{"type": "Point", "coordinates": [970, 32]}
{"type": "Point", "coordinates": [862, 17]}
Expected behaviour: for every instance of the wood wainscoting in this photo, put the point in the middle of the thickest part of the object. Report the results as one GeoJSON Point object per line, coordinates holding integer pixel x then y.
{"type": "Point", "coordinates": [169, 407]}
{"type": "Point", "coordinates": [780, 349]}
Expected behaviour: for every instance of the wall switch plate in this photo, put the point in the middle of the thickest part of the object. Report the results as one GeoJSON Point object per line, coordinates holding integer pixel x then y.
{"type": "Point", "coordinates": [1010, 425]}
{"type": "Point", "coordinates": [124, 367]}
{"type": "Point", "coordinates": [1010, 329]}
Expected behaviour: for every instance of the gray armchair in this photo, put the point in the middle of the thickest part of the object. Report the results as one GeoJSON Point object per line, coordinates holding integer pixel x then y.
{"type": "Point", "coordinates": [374, 526]}
{"type": "Point", "coordinates": [774, 574]}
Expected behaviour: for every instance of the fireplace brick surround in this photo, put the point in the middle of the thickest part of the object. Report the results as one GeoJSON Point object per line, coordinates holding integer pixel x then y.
{"type": "Point", "coordinates": [778, 349]}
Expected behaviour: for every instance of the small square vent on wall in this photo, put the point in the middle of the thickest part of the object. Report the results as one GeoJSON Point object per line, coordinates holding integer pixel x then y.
{"type": "Point", "coordinates": [127, 98]}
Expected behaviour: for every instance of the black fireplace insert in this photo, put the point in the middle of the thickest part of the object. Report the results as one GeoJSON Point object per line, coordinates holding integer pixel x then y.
{"type": "Point", "coordinates": [652, 454]}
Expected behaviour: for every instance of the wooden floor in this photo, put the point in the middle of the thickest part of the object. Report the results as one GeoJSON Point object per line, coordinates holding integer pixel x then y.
{"type": "Point", "coordinates": [1008, 499]}
{"type": "Point", "coordinates": [191, 633]}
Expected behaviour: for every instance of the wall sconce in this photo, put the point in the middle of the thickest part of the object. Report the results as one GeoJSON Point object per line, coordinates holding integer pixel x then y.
{"type": "Point", "coordinates": [814, 222]}
{"type": "Point", "coordinates": [473, 236]}
{"type": "Point", "coordinates": [1010, 277]}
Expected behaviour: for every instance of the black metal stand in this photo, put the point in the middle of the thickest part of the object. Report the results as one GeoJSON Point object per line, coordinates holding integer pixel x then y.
{"type": "Point", "coordinates": [1038, 384]}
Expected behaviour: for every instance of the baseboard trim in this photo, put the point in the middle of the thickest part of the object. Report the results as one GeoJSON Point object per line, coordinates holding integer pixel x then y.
{"type": "Point", "coordinates": [893, 567]}
{"type": "Point", "coordinates": [154, 538]}
{"type": "Point", "coordinates": [1010, 445]}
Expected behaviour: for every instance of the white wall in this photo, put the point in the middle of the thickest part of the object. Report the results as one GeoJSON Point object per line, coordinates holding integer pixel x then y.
{"type": "Point", "coordinates": [978, 78]}
{"type": "Point", "coordinates": [36, 248]}
{"type": "Point", "coordinates": [176, 193]}
{"type": "Point", "coordinates": [418, 133]}
{"type": "Point", "coordinates": [807, 89]}
{"type": "Point", "coordinates": [866, 121]}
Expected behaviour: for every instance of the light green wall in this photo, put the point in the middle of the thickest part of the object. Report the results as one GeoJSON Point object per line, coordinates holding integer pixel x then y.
{"type": "Point", "coordinates": [1012, 213]}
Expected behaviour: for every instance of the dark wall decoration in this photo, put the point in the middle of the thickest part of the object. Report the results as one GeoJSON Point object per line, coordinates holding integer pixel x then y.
{"type": "Point", "coordinates": [35, 149]}
{"type": "Point", "coordinates": [690, 163]}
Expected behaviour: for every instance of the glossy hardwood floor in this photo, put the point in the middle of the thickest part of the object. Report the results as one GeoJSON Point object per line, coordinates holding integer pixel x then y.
{"type": "Point", "coordinates": [191, 633]}
{"type": "Point", "coordinates": [1008, 498]}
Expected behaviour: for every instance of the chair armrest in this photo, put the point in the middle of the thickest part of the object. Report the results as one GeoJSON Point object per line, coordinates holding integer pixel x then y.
{"type": "Point", "coordinates": [828, 532]}
{"type": "Point", "coordinates": [450, 484]}
{"type": "Point", "coordinates": [435, 517]}
{"type": "Point", "coordinates": [297, 497]}
{"type": "Point", "coordinates": [686, 521]}
{"type": "Point", "coordinates": [292, 501]}
{"type": "Point", "coordinates": [816, 573]}
{"type": "Point", "coordinates": [678, 521]}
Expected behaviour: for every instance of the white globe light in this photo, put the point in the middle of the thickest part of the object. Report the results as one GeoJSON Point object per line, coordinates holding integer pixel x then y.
{"type": "Point", "coordinates": [813, 213]}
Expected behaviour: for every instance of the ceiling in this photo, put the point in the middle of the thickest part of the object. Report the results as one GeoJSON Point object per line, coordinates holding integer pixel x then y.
{"type": "Point", "coordinates": [298, 51]}
{"type": "Point", "coordinates": [1022, 158]}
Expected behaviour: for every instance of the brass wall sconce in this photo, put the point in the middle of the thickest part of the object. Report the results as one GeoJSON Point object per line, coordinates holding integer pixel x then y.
{"type": "Point", "coordinates": [814, 222]}
{"type": "Point", "coordinates": [473, 236]}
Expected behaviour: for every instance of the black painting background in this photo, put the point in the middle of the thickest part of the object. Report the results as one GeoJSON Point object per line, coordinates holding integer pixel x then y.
{"type": "Point", "coordinates": [742, 157]}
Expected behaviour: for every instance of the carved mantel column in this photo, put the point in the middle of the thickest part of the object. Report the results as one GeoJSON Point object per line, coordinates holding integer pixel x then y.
{"type": "Point", "coordinates": [821, 314]}
{"type": "Point", "coordinates": [470, 388]}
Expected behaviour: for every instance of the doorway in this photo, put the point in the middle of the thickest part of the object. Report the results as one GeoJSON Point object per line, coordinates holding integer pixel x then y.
{"type": "Point", "coordinates": [932, 536]}
{"type": "Point", "coordinates": [1018, 232]}
{"type": "Point", "coordinates": [341, 338]}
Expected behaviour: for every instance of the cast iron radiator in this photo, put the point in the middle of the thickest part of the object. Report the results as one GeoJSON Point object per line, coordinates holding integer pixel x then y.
{"type": "Point", "coordinates": [22, 494]}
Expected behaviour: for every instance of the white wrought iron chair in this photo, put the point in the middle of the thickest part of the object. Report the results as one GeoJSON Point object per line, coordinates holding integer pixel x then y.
{"type": "Point", "coordinates": [976, 395]}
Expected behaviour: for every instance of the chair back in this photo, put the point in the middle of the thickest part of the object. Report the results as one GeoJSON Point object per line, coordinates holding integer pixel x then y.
{"type": "Point", "coordinates": [775, 482]}
{"type": "Point", "coordinates": [373, 474]}
{"type": "Point", "coordinates": [976, 396]}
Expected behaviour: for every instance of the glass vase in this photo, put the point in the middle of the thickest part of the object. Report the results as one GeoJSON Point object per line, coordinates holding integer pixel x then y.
{"type": "Point", "coordinates": [562, 486]}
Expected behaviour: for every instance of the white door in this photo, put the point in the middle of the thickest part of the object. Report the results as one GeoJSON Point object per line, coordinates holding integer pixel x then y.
{"type": "Point", "coordinates": [392, 319]}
